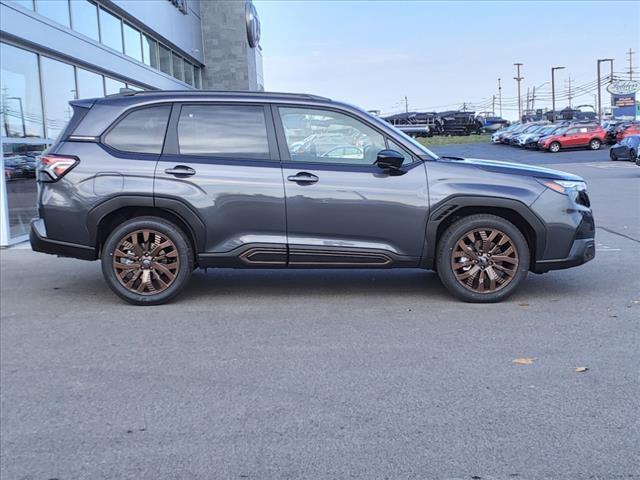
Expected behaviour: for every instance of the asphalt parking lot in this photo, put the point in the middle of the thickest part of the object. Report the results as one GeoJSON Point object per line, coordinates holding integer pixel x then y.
{"type": "Point", "coordinates": [331, 374]}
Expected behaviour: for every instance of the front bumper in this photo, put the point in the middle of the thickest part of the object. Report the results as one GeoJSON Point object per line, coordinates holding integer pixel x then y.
{"type": "Point", "coordinates": [40, 243]}
{"type": "Point", "coordinates": [582, 251]}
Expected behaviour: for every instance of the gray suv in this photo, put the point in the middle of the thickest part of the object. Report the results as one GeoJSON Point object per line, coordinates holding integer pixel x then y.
{"type": "Point", "coordinates": [157, 183]}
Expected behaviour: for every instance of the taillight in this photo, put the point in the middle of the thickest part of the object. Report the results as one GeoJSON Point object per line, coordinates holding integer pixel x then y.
{"type": "Point", "coordinates": [55, 166]}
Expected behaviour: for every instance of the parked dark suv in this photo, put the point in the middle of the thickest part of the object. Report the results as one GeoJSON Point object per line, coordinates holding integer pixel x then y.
{"type": "Point", "coordinates": [157, 183]}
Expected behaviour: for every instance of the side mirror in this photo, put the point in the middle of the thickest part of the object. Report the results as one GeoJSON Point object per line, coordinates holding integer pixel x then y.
{"type": "Point", "coordinates": [389, 160]}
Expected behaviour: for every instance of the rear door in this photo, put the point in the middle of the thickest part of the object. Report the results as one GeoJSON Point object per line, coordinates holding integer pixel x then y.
{"type": "Point", "coordinates": [343, 210]}
{"type": "Point", "coordinates": [221, 161]}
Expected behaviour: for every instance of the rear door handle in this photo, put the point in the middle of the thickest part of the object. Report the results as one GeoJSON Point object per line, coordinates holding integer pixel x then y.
{"type": "Point", "coordinates": [303, 178]}
{"type": "Point", "coordinates": [180, 171]}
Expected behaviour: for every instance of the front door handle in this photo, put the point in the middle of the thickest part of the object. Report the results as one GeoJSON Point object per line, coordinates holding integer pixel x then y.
{"type": "Point", "coordinates": [180, 171]}
{"type": "Point", "coordinates": [303, 178]}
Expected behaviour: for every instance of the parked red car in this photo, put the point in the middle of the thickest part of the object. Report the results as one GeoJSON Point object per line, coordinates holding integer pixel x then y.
{"type": "Point", "coordinates": [633, 129]}
{"type": "Point", "coordinates": [590, 136]}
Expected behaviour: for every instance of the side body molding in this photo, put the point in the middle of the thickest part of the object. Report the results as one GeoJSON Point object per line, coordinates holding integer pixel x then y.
{"type": "Point", "coordinates": [451, 205]}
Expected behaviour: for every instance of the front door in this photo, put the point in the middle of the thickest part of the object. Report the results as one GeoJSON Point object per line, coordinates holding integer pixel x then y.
{"type": "Point", "coordinates": [342, 209]}
{"type": "Point", "coordinates": [221, 161]}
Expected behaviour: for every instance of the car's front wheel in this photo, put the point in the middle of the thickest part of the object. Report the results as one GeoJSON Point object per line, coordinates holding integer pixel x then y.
{"type": "Point", "coordinates": [554, 147]}
{"type": "Point", "coordinates": [633, 155]}
{"type": "Point", "coordinates": [613, 156]}
{"type": "Point", "coordinates": [147, 260]}
{"type": "Point", "coordinates": [594, 144]}
{"type": "Point", "coordinates": [482, 258]}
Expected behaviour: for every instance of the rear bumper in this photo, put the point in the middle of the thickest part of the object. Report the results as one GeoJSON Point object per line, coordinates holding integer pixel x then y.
{"type": "Point", "coordinates": [40, 243]}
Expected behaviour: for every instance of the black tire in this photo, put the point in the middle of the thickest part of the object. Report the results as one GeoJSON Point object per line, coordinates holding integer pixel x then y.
{"type": "Point", "coordinates": [612, 156]}
{"type": "Point", "coordinates": [184, 258]}
{"type": "Point", "coordinates": [595, 144]}
{"type": "Point", "coordinates": [456, 232]}
{"type": "Point", "coordinates": [633, 155]}
{"type": "Point", "coordinates": [554, 147]}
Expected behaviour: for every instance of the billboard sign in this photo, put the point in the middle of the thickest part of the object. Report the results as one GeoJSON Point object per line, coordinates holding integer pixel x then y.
{"type": "Point", "coordinates": [623, 87]}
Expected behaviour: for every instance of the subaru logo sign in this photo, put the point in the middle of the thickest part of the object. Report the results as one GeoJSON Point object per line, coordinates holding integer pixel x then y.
{"type": "Point", "coordinates": [623, 87]}
{"type": "Point", "coordinates": [253, 25]}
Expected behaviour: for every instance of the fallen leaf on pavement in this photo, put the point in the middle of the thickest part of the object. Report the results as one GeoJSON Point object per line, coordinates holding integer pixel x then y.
{"type": "Point", "coordinates": [523, 304]}
{"type": "Point", "coordinates": [523, 361]}
{"type": "Point", "coordinates": [581, 369]}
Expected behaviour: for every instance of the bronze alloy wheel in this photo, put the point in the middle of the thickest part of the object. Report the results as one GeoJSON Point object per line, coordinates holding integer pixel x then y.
{"type": "Point", "coordinates": [146, 262]}
{"type": "Point", "coordinates": [484, 260]}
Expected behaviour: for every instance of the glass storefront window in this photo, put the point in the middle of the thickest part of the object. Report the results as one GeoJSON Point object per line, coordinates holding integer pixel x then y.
{"type": "Point", "coordinates": [132, 43]}
{"type": "Point", "coordinates": [19, 175]}
{"type": "Point", "coordinates": [84, 17]}
{"type": "Point", "coordinates": [188, 73]}
{"type": "Point", "coordinates": [90, 85]}
{"type": "Point", "coordinates": [21, 107]}
{"type": "Point", "coordinates": [165, 59]}
{"type": "Point", "coordinates": [178, 70]}
{"type": "Point", "coordinates": [112, 85]}
{"type": "Point", "coordinates": [150, 51]}
{"type": "Point", "coordinates": [58, 89]}
{"type": "Point", "coordinates": [110, 30]}
{"type": "Point", "coordinates": [197, 77]}
{"type": "Point", "coordinates": [56, 10]}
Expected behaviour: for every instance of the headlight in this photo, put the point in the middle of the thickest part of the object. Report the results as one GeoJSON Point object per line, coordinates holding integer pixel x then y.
{"type": "Point", "coordinates": [564, 186]}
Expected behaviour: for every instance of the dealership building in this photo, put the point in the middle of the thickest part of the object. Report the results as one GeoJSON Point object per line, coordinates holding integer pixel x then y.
{"type": "Point", "coordinates": [54, 51]}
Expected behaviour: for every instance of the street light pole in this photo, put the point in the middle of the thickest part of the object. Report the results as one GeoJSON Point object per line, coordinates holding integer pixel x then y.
{"type": "Point", "coordinates": [553, 92]}
{"type": "Point", "coordinates": [600, 60]}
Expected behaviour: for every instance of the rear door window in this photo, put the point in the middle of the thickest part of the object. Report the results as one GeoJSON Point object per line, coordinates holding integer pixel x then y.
{"type": "Point", "coordinates": [233, 131]}
{"type": "Point", "coordinates": [141, 131]}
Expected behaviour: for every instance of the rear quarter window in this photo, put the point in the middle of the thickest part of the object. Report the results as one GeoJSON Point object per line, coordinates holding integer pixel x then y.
{"type": "Point", "coordinates": [141, 131]}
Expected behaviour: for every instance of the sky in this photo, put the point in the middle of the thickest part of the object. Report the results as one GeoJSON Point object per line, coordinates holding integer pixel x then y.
{"type": "Point", "coordinates": [441, 54]}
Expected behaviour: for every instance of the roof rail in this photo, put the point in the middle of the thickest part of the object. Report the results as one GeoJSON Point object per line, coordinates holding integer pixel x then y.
{"type": "Point", "coordinates": [248, 93]}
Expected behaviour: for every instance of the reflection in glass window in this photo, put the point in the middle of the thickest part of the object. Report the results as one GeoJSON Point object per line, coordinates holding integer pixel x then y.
{"type": "Point", "coordinates": [223, 131]}
{"type": "Point", "coordinates": [165, 59]}
{"type": "Point", "coordinates": [21, 108]}
{"type": "Point", "coordinates": [132, 45]}
{"type": "Point", "coordinates": [329, 137]}
{"type": "Point", "coordinates": [112, 85]}
{"type": "Point", "coordinates": [59, 88]}
{"type": "Point", "coordinates": [90, 85]}
{"type": "Point", "coordinates": [84, 17]}
{"type": "Point", "coordinates": [178, 70]}
{"type": "Point", "coordinates": [110, 30]}
{"type": "Point", "coordinates": [19, 173]}
{"type": "Point", "coordinates": [188, 73]}
{"type": "Point", "coordinates": [56, 10]}
{"type": "Point", "coordinates": [150, 51]}
{"type": "Point", "coordinates": [25, 3]}
{"type": "Point", "coordinates": [141, 131]}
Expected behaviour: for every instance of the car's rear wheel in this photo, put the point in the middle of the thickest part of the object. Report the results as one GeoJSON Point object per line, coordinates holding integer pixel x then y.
{"type": "Point", "coordinates": [612, 155]}
{"type": "Point", "coordinates": [633, 155]}
{"type": "Point", "coordinates": [594, 144]}
{"type": "Point", "coordinates": [147, 260]}
{"type": "Point", "coordinates": [482, 258]}
{"type": "Point", "coordinates": [554, 147]}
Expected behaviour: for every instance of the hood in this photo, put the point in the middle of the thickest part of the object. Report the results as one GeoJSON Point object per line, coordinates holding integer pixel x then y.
{"type": "Point", "coordinates": [516, 169]}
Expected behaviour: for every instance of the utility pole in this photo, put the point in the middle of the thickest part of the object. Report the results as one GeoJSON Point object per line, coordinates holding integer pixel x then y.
{"type": "Point", "coordinates": [568, 83]}
{"type": "Point", "coordinates": [600, 60]}
{"type": "Point", "coordinates": [630, 71]}
{"type": "Point", "coordinates": [533, 99]}
{"type": "Point", "coordinates": [500, 96]}
{"type": "Point", "coordinates": [406, 104]}
{"type": "Point", "coordinates": [527, 109]}
{"type": "Point", "coordinates": [518, 79]}
{"type": "Point", "coordinates": [553, 92]}
{"type": "Point", "coordinates": [493, 105]}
